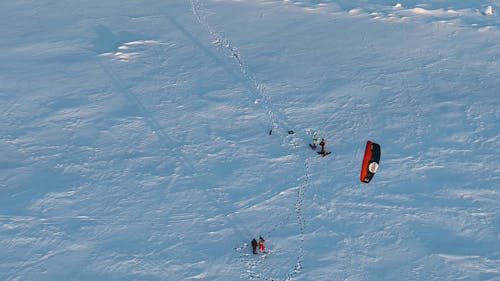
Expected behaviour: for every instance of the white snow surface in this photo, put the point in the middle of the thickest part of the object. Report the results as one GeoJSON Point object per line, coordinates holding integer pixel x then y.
{"type": "Point", "coordinates": [135, 140]}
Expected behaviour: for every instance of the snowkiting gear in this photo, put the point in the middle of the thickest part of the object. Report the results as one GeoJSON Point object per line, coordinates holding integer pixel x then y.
{"type": "Point", "coordinates": [323, 152]}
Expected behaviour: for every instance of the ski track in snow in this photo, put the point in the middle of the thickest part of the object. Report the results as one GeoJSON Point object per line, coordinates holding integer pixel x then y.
{"type": "Point", "coordinates": [186, 165]}
{"type": "Point", "coordinates": [279, 125]}
{"type": "Point", "coordinates": [154, 125]}
{"type": "Point", "coordinates": [254, 270]}
{"type": "Point", "coordinates": [255, 88]}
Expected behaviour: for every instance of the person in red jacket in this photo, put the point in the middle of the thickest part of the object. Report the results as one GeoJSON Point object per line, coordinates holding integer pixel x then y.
{"type": "Point", "coordinates": [262, 248]}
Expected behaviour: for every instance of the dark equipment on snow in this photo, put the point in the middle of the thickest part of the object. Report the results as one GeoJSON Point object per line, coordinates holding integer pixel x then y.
{"type": "Point", "coordinates": [371, 159]}
{"type": "Point", "coordinates": [324, 153]}
{"type": "Point", "coordinates": [291, 132]}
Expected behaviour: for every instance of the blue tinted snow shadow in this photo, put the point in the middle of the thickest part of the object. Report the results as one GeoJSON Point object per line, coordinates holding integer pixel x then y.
{"type": "Point", "coordinates": [107, 41]}
{"type": "Point", "coordinates": [437, 239]}
{"type": "Point", "coordinates": [38, 181]}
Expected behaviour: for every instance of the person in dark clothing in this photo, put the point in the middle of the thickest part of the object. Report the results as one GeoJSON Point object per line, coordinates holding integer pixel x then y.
{"type": "Point", "coordinates": [322, 144]}
{"type": "Point", "coordinates": [254, 246]}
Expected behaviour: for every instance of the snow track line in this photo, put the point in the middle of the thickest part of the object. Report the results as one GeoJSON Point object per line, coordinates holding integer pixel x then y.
{"type": "Point", "coordinates": [277, 121]}
{"type": "Point", "coordinates": [252, 84]}
{"type": "Point", "coordinates": [155, 126]}
{"type": "Point", "coordinates": [132, 98]}
{"type": "Point", "coordinates": [165, 138]}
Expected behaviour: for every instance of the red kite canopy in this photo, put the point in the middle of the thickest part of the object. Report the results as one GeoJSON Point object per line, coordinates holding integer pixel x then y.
{"type": "Point", "coordinates": [370, 161]}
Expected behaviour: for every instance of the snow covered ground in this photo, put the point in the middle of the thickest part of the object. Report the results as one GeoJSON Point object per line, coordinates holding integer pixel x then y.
{"type": "Point", "coordinates": [135, 140]}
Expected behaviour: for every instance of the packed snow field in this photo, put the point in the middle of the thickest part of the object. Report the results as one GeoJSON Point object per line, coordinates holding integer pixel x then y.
{"type": "Point", "coordinates": [149, 140]}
